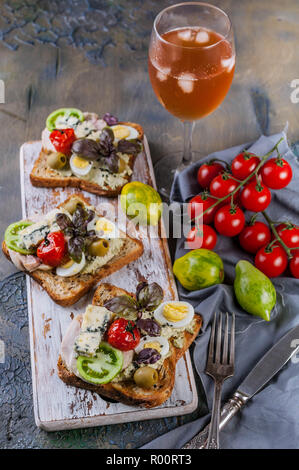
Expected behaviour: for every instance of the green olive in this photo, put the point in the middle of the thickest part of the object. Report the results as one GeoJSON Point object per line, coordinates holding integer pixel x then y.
{"type": "Point", "coordinates": [99, 248]}
{"type": "Point", "coordinates": [146, 377]}
{"type": "Point", "coordinates": [71, 204]}
{"type": "Point", "coordinates": [56, 160]}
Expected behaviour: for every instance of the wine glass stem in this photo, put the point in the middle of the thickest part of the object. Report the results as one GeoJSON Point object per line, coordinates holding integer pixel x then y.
{"type": "Point", "coordinates": [187, 152]}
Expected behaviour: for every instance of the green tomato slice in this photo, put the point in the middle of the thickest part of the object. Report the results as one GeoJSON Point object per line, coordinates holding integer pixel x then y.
{"type": "Point", "coordinates": [102, 368]}
{"type": "Point", "coordinates": [12, 237]}
{"type": "Point", "coordinates": [66, 114]}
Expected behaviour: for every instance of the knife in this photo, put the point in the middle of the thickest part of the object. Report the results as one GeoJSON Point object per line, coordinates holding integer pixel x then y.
{"type": "Point", "coordinates": [265, 369]}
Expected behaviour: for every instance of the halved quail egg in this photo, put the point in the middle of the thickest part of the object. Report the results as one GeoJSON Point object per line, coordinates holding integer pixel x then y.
{"type": "Point", "coordinates": [174, 313]}
{"type": "Point", "coordinates": [71, 268]}
{"type": "Point", "coordinates": [104, 228]}
{"type": "Point", "coordinates": [80, 166]}
{"type": "Point", "coordinates": [160, 343]}
{"type": "Point", "coordinates": [122, 131]}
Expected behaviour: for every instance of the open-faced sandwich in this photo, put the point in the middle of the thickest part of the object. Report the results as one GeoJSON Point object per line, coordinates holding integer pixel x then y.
{"type": "Point", "coordinates": [125, 346]}
{"type": "Point", "coordinates": [85, 151]}
{"type": "Point", "coordinates": [69, 249]}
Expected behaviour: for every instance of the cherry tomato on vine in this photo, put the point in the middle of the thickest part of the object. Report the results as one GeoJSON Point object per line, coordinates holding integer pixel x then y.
{"type": "Point", "coordinates": [123, 334]}
{"type": "Point", "coordinates": [271, 261]}
{"type": "Point", "coordinates": [62, 139]}
{"type": "Point", "coordinates": [52, 249]}
{"type": "Point", "coordinates": [229, 221]}
{"type": "Point", "coordinates": [203, 237]}
{"type": "Point", "coordinates": [255, 197]}
{"type": "Point", "coordinates": [207, 172]}
{"type": "Point", "coordinates": [194, 210]}
{"type": "Point", "coordinates": [276, 173]}
{"type": "Point", "coordinates": [223, 185]}
{"type": "Point", "coordinates": [294, 265]}
{"type": "Point", "coordinates": [289, 234]}
{"type": "Point", "coordinates": [244, 164]}
{"type": "Point", "coordinates": [254, 236]}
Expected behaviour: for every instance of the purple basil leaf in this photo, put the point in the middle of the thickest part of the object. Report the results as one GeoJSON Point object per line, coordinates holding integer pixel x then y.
{"type": "Point", "coordinates": [86, 148]}
{"type": "Point", "coordinates": [112, 162]}
{"type": "Point", "coordinates": [131, 147]}
{"type": "Point", "coordinates": [140, 286]}
{"type": "Point", "coordinates": [149, 326]}
{"type": "Point", "coordinates": [110, 119]}
{"type": "Point", "coordinates": [69, 231]}
{"type": "Point", "coordinates": [79, 216]}
{"type": "Point", "coordinates": [90, 237]}
{"type": "Point", "coordinates": [105, 144]}
{"type": "Point", "coordinates": [148, 356]}
{"type": "Point", "coordinates": [89, 215]}
{"type": "Point", "coordinates": [124, 305]}
{"type": "Point", "coordinates": [75, 248]}
{"type": "Point", "coordinates": [149, 296]}
{"type": "Point", "coordinates": [63, 221]}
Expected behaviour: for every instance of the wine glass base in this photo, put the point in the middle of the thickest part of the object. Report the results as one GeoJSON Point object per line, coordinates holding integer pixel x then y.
{"type": "Point", "coordinates": [167, 168]}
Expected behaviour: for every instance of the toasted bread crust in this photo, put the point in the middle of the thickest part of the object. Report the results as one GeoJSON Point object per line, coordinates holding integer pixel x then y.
{"type": "Point", "coordinates": [79, 284]}
{"type": "Point", "coordinates": [127, 392]}
{"type": "Point", "coordinates": [54, 181]}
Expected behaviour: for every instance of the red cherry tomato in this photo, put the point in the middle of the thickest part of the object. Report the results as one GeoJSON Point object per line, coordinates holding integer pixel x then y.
{"type": "Point", "coordinates": [255, 197]}
{"type": "Point", "coordinates": [194, 210]}
{"type": "Point", "coordinates": [207, 172]}
{"type": "Point", "coordinates": [294, 265]}
{"type": "Point", "coordinates": [205, 237]}
{"type": "Point", "coordinates": [289, 234]}
{"type": "Point", "coordinates": [123, 334]}
{"type": "Point", "coordinates": [272, 262]}
{"type": "Point", "coordinates": [62, 140]}
{"type": "Point", "coordinates": [229, 221]}
{"type": "Point", "coordinates": [254, 236]}
{"type": "Point", "coordinates": [244, 164]}
{"type": "Point", "coordinates": [223, 185]}
{"type": "Point", "coordinates": [276, 173]}
{"type": "Point", "coordinates": [52, 249]}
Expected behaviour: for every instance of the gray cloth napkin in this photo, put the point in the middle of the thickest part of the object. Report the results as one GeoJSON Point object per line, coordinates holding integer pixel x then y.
{"type": "Point", "coordinates": [271, 418]}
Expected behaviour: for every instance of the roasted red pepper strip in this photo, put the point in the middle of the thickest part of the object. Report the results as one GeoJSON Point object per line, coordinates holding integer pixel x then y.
{"type": "Point", "coordinates": [62, 140]}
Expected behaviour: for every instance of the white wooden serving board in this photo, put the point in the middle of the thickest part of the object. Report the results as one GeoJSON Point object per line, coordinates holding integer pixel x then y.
{"type": "Point", "coordinates": [56, 405]}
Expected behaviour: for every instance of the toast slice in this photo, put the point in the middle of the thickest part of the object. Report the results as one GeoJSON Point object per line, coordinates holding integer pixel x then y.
{"type": "Point", "coordinates": [128, 392]}
{"type": "Point", "coordinates": [66, 291]}
{"type": "Point", "coordinates": [43, 176]}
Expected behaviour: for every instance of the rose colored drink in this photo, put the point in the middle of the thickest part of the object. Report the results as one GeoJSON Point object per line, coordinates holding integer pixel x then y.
{"type": "Point", "coordinates": [191, 70]}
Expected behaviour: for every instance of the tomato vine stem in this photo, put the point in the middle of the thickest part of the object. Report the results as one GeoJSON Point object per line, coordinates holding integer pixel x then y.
{"type": "Point", "coordinates": [255, 171]}
{"type": "Point", "coordinates": [271, 224]}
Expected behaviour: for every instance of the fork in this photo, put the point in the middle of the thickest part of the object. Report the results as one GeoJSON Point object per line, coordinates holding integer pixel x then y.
{"type": "Point", "coordinates": [219, 368]}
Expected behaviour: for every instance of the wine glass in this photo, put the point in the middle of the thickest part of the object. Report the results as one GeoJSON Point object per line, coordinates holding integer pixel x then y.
{"type": "Point", "coordinates": [191, 65]}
